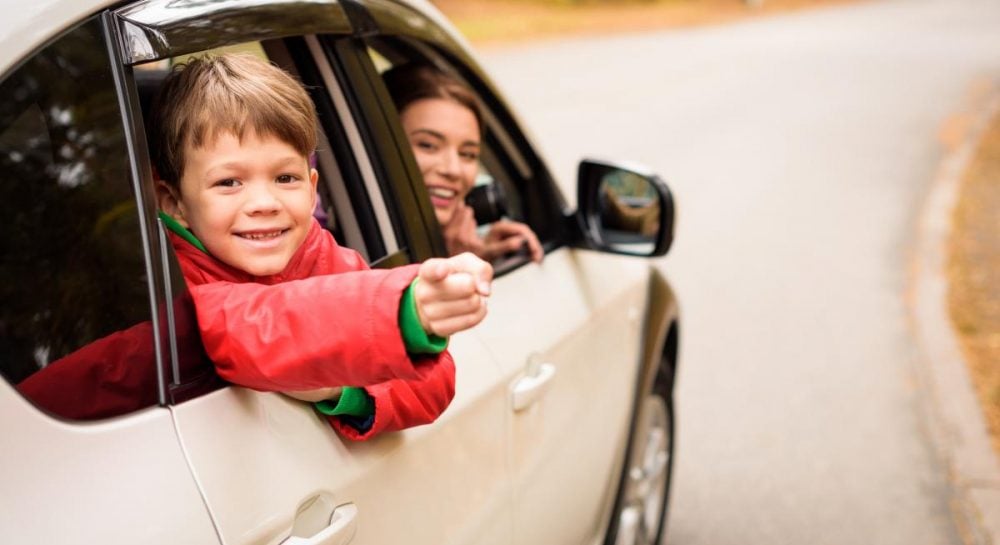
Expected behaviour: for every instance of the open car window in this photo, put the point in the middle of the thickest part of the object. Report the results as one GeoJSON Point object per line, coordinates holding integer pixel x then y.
{"type": "Point", "coordinates": [345, 205]}
{"type": "Point", "coordinates": [503, 165]}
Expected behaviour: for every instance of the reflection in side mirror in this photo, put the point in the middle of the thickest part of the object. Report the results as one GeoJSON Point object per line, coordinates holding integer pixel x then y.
{"type": "Point", "coordinates": [624, 210]}
{"type": "Point", "coordinates": [629, 211]}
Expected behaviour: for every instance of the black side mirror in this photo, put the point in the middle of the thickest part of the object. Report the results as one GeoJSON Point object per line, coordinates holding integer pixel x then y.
{"type": "Point", "coordinates": [624, 209]}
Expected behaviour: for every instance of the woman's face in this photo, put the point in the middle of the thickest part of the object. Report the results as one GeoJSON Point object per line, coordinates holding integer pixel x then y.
{"type": "Point", "coordinates": [445, 139]}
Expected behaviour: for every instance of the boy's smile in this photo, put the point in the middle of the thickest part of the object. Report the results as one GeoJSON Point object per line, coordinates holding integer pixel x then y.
{"type": "Point", "coordinates": [250, 203]}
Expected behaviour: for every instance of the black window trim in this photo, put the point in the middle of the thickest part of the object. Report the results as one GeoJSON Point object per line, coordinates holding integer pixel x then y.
{"type": "Point", "coordinates": [158, 29]}
{"type": "Point", "coordinates": [412, 218]}
{"type": "Point", "coordinates": [143, 192]}
{"type": "Point", "coordinates": [378, 230]}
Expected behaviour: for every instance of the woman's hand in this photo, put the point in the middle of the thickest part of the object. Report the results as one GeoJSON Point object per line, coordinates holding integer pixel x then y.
{"type": "Point", "coordinates": [507, 236]}
{"type": "Point", "coordinates": [460, 232]}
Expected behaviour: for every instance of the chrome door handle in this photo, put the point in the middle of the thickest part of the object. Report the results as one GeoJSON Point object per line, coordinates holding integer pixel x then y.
{"type": "Point", "coordinates": [343, 525]}
{"type": "Point", "coordinates": [527, 390]}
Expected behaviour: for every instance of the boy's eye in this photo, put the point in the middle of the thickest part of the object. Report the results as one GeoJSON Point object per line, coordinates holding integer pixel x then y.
{"type": "Point", "coordinates": [228, 182]}
{"type": "Point", "coordinates": [286, 178]}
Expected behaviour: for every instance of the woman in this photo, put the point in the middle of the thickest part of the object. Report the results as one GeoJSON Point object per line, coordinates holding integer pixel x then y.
{"type": "Point", "coordinates": [441, 117]}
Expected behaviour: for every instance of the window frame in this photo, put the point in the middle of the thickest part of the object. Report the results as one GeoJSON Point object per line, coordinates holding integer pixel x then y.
{"type": "Point", "coordinates": [412, 216]}
{"type": "Point", "coordinates": [507, 153]}
{"type": "Point", "coordinates": [323, 62]}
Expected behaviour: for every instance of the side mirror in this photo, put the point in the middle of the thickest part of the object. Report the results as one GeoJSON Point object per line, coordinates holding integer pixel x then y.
{"type": "Point", "coordinates": [624, 209]}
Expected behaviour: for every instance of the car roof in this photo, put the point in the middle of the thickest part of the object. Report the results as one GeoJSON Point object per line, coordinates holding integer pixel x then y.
{"type": "Point", "coordinates": [26, 26]}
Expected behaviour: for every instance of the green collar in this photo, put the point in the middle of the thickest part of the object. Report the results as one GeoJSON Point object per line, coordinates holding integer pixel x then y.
{"type": "Point", "coordinates": [181, 231]}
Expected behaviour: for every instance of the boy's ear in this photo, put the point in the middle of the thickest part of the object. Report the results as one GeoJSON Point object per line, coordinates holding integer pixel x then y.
{"type": "Point", "coordinates": [314, 179]}
{"type": "Point", "coordinates": [168, 198]}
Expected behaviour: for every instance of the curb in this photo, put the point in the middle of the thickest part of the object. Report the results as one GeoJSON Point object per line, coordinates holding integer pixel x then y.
{"type": "Point", "coordinates": [957, 427]}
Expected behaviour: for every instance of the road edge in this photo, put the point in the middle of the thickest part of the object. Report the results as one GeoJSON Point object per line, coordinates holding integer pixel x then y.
{"type": "Point", "coordinates": [957, 426]}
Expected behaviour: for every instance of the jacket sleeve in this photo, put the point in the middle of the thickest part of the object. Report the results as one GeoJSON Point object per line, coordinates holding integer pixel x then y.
{"type": "Point", "coordinates": [322, 331]}
{"type": "Point", "coordinates": [404, 403]}
{"type": "Point", "coordinates": [111, 376]}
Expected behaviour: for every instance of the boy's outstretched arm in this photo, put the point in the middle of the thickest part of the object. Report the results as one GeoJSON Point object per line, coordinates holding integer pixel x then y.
{"type": "Point", "coordinates": [405, 403]}
{"type": "Point", "coordinates": [451, 293]}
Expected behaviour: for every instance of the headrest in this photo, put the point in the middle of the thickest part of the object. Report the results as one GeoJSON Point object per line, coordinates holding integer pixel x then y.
{"type": "Point", "coordinates": [147, 83]}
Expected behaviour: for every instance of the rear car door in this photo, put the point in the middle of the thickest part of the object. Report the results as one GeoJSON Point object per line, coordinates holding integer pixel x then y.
{"type": "Point", "coordinates": [269, 466]}
{"type": "Point", "coordinates": [90, 455]}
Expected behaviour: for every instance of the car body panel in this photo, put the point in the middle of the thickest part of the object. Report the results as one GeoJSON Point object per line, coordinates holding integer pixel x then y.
{"type": "Point", "coordinates": [118, 481]}
{"type": "Point", "coordinates": [259, 457]}
{"type": "Point", "coordinates": [28, 25]}
{"type": "Point", "coordinates": [585, 320]}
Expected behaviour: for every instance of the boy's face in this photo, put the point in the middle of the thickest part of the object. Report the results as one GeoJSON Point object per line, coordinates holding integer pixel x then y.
{"type": "Point", "coordinates": [250, 203]}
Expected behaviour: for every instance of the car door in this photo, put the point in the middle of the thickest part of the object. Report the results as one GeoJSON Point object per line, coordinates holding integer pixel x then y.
{"type": "Point", "coordinates": [269, 467]}
{"type": "Point", "coordinates": [566, 332]}
{"type": "Point", "coordinates": [90, 455]}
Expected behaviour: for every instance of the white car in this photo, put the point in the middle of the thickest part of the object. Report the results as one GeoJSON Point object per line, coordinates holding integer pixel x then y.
{"type": "Point", "coordinates": [562, 425]}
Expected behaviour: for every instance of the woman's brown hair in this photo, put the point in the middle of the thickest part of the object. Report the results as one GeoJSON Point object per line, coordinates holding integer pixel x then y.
{"type": "Point", "coordinates": [411, 82]}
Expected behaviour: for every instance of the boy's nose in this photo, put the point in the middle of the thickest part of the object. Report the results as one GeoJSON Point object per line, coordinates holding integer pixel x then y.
{"type": "Point", "coordinates": [261, 199]}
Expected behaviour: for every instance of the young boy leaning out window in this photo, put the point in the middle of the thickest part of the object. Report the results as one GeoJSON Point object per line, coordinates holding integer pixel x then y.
{"type": "Point", "coordinates": [280, 306]}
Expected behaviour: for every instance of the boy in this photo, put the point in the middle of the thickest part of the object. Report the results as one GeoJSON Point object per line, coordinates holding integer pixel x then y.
{"type": "Point", "coordinates": [280, 306]}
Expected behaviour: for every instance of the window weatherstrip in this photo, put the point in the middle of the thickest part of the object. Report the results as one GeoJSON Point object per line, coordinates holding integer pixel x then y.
{"type": "Point", "coordinates": [354, 137]}
{"type": "Point", "coordinates": [169, 297]}
{"type": "Point", "coordinates": [117, 74]}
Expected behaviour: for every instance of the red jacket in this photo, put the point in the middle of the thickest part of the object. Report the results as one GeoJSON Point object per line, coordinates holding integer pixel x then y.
{"type": "Point", "coordinates": [326, 320]}
{"type": "Point", "coordinates": [331, 322]}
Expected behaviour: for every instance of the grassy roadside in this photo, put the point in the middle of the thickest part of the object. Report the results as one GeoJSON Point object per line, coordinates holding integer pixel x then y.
{"type": "Point", "coordinates": [502, 22]}
{"type": "Point", "coordinates": [974, 273]}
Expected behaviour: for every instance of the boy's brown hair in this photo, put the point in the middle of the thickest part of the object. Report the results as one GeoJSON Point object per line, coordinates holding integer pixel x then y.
{"type": "Point", "coordinates": [230, 93]}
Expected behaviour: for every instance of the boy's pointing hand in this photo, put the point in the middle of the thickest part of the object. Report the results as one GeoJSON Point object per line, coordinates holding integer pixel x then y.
{"type": "Point", "coordinates": [451, 293]}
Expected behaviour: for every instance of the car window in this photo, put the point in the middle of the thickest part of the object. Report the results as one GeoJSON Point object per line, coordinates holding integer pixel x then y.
{"type": "Point", "coordinates": [342, 205]}
{"type": "Point", "coordinates": [74, 324]}
{"type": "Point", "coordinates": [502, 167]}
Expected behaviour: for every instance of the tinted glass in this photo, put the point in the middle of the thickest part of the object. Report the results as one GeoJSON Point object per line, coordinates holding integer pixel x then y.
{"type": "Point", "coordinates": [74, 335]}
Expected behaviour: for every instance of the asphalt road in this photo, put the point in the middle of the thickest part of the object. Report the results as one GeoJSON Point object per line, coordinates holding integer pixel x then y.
{"type": "Point", "coordinates": [800, 149]}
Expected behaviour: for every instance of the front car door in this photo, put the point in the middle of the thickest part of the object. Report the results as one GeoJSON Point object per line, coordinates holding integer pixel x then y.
{"type": "Point", "coordinates": [566, 333]}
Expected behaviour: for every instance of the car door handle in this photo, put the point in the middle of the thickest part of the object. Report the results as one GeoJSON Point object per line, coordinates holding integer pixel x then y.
{"type": "Point", "coordinates": [343, 525]}
{"type": "Point", "coordinates": [527, 390]}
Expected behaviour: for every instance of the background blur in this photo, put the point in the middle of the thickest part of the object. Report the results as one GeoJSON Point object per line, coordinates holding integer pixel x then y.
{"type": "Point", "coordinates": [837, 170]}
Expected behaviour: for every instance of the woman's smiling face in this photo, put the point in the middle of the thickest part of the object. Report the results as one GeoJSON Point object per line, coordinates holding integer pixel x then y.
{"type": "Point", "coordinates": [445, 139]}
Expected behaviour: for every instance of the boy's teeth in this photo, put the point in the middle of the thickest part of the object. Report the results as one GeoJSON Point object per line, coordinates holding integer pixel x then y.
{"type": "Point", "coordinates": [261, 236]}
